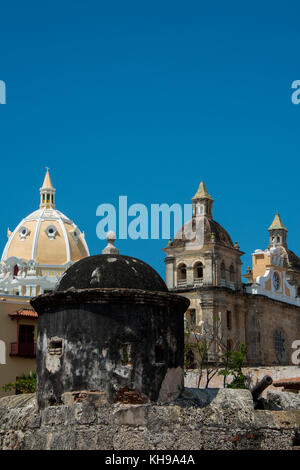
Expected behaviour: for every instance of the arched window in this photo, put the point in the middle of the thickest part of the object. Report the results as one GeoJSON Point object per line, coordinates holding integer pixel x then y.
{"type": "Point", "coordinates": [181, 272]}
{"type": "Point", "coordinates": [16, 270]}
{"type": "Point", "coordinates": [223, 271]}
{"type": "Point", "coordinates": [198, 270]}
{"type": "Point", "coordinates": [231, 273]}
{"type": "Point", "coordinates": [279, 345]}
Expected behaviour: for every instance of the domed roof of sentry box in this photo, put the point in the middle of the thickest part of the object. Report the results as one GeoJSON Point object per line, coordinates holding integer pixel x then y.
{"type": "Point", "coordinates": [111, 271]}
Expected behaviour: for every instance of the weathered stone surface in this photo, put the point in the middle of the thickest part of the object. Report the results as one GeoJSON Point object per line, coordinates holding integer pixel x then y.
{"type": "Point", "coordinates": [283, 400]}
{"type": "Point", "coordinates": [130, 415]}
{"type": "Point", "coordinates": [221, 419]}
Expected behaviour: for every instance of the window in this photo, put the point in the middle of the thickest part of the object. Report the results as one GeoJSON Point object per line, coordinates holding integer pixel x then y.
{"type": "Point", "coordinates": [228, 319]}
{"type": "Point", "coordinates": [23, 232]}
{"type": "Point", "coordinates": [223, 271]}
{"type": "Point", "coordinates": [125, 354]}
{"type": "Point", "coordinates": [198, 270]}
{"type": "Point", "coordinates": [75, 235]}
{"type": "Point", "coordinates": [26, 345]}
{"type": "Point", "coordinates": [229, 345]}
{"type": "Point", "coordinates": [279, 345]}
{"type": "Point", "coordinates": [55, 346]}
{"type": "Point", "coordinates": [2, 352]}
{"type": "Point", "coordinates": [231, 273]}
{"type": "Point", "coordinates": [16, 270]}
{"type": "Point", "coordinates": [51, 231]}
{"type": "Point", "coordinates": [181, 272]}
{"type": "Point", "coordinates": [193, 316]}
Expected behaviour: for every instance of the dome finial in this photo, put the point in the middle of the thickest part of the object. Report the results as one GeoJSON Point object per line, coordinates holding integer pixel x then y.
{"type": "Point", "coordinates": [47, 184]}
{"type": "Point", "coordinates": [110, 248]}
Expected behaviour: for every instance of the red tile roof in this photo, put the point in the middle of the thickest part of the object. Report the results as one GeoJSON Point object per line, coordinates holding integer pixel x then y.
{"type": "Point", "coordinates": [24, 313]}
{"type": "Point", "coordinates": [286, 382]}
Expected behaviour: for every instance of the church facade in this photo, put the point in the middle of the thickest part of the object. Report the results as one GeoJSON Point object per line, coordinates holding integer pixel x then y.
{"type": "Point", "coordinates": [203, 264]}
{"type": "Point", "coordinates": [37, 253]}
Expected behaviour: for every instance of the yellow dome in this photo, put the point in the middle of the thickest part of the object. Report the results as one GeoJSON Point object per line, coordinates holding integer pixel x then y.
{"type": "Point", "coordinates": [46, 236]}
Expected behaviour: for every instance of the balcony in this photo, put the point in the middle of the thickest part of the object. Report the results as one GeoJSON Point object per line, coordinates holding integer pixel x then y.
{"type": "Point", "coordinates": [198, 281]}
{"type": "Point", "coordinates": [23, 349]}
{"type": "Point", "coordinates": [181, 282]}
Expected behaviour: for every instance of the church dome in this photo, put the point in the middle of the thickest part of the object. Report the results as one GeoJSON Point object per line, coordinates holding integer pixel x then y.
{"type": "Point", "coordinates": [46, 236]}
{"type": "Point", "coordinates": [111, 271]}
{"type": "Point", "coordinates": [208, 230]}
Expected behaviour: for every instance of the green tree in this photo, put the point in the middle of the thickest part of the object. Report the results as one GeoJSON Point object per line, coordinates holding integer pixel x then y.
{"type": "Point", "coordinates": [233, 363]}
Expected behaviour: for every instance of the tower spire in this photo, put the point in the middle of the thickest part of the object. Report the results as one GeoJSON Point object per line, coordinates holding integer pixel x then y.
{"type": "Point", "coordinates": [47, 192]}
{"type": "Point", "coordinates": [277, 232]}
{"type": "Point", "coordinates": [202, 202]}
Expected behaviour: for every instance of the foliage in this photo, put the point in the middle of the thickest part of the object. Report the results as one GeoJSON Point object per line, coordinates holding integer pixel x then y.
{"type": "Point", "coordinates": [23, 384]}
{"type": "Point", "coordinates": [206, 352]}
{"type": "Point", "coordinates": [233, 364]}
{"type": "Point", "coordinates": [202, 342]}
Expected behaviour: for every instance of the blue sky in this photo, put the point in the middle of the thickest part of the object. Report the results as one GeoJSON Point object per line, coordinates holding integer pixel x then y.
{"type": "Point", "coordinates": [146, 99]}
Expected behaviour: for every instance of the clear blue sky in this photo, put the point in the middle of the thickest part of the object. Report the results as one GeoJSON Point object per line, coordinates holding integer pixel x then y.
{"type": "Point", "coordinates": [146, 99]}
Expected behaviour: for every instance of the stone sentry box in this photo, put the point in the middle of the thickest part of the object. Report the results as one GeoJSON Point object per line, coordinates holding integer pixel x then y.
{"type": "Point", "coordinates": [110, 325]}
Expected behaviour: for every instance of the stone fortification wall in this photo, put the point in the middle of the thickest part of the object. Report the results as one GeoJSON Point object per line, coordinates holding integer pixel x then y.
{"type": "Point", "coordinates": [199, 419]}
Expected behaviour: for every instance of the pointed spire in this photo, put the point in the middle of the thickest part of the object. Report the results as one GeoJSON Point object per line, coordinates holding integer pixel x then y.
{"type": "Point", "coordinates": [277, 233]}
{"type": "Point", "coordinates": [47, 192]}
{"type": "Point", "coordinates": [202, 192]}
{"type": "Point", "coordinates": [277, 223]}
{"type": "Point", "coordinates": [202, 202]}
{"type": "Point", "coordinates": [47, 184]}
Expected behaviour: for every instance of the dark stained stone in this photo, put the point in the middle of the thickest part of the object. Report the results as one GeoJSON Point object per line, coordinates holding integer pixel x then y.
{"type": "Point", "coordinates": [111, 271]}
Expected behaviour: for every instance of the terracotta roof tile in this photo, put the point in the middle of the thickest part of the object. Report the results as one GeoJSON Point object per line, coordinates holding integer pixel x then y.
{"type": "Point", "coordinates": [24, 313]}
{"type": "Point", "coordinates": [283, 382]}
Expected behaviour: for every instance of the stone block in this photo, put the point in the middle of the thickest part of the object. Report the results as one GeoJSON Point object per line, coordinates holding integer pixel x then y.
{"type": "Point", "coordinates": [130, 415]}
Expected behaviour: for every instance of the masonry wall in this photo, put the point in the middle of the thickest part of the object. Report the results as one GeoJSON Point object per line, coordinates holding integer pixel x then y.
{"type": "Point", "coordinates": [200, 419]}
{"type": "Point", "coordinates": [255, 319]}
